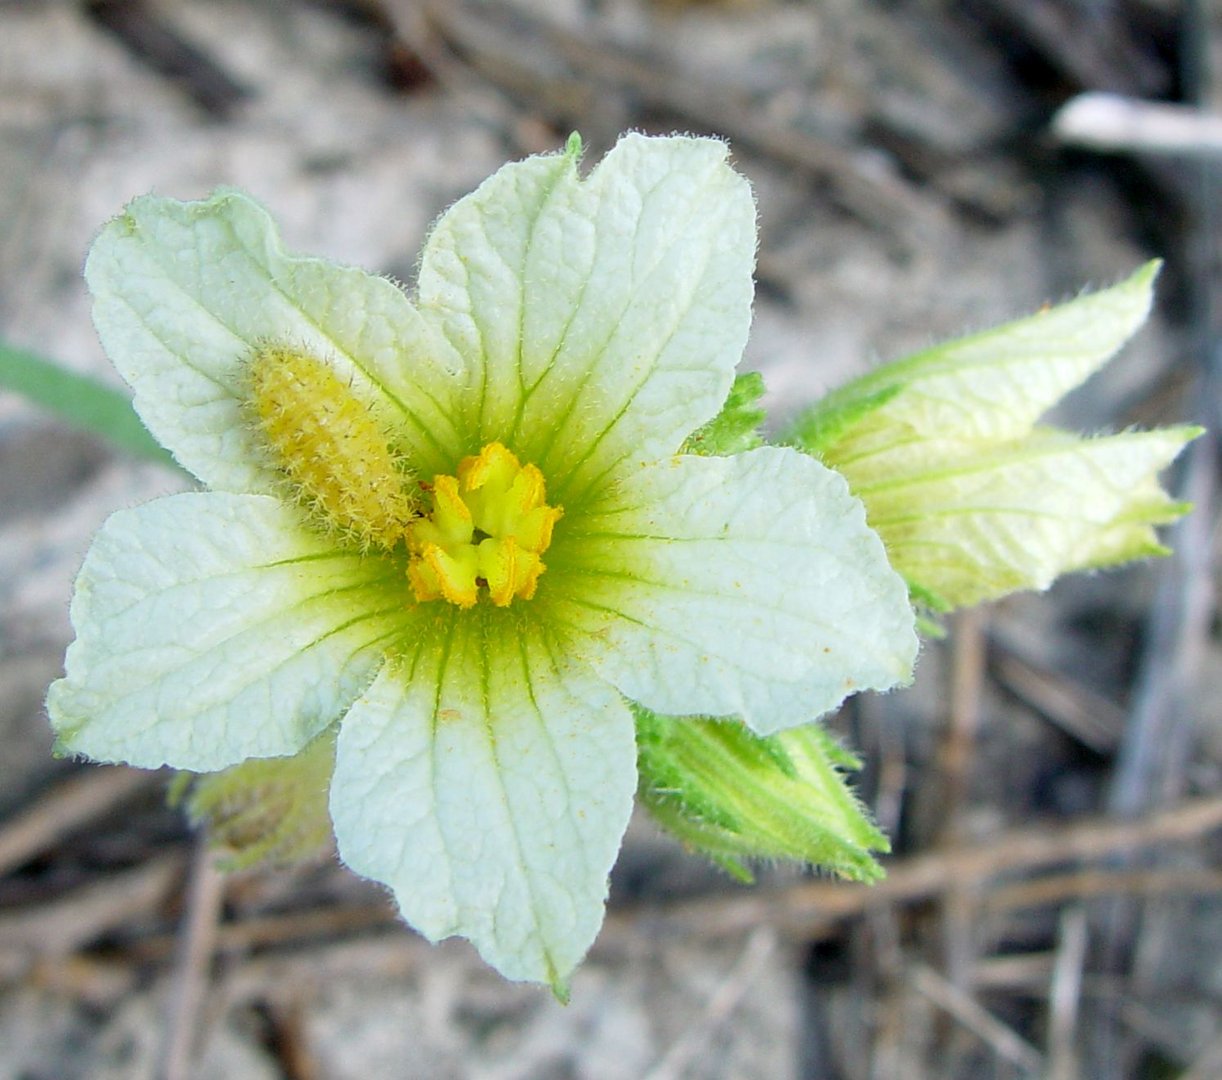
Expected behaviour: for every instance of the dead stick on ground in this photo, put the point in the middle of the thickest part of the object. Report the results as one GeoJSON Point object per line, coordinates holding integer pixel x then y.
{"type": "Point", "coordinates": [278, 951]}
{"type": "Point", "coordinates": [59, 926]}
{"type": "Point", "coordinates": [804, 908]}
{"type": "Point", "coordinates": [957, 749]}
{"type": "Point", "coordinates": [730, 992]}
{"type": "Point", "coordinates": [291, 928]}
{"type": "Point", "coordinates": [194, 962]}
{"type": "Point", "coordinates": [1065, 995]}
{"type": "Point", "coordinates": [71, 803]}
{"type": "Point", "coordinates": [972, 1015]}
{"type": "Point", "coordinates": [1085, 715]}
{"type": "Point", "coordinates": [956, 756]}
{"type": "Point", "coordinates": [822, 904]}
{"type": "Point", "coordinates": [1084, 884]}
{"type": "Point", "coordinates": [298, 944]}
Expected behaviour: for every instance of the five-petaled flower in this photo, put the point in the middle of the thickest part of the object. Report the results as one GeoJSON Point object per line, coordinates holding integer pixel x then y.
{"type": "Point", "coordinates": [460, 526]}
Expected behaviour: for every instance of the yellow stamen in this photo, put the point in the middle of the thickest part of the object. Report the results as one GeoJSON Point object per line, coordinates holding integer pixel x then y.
{"type": "Point", "coordinates": [489, 526]}
{"type": "Point", "coordinates": [329, 446]}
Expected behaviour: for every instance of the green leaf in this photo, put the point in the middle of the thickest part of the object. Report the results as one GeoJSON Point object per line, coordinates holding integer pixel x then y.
{"type": "Point", "coordinates": [736, 428]}
{"type": "Point", "coordinates": [732, 795]}
{"type": "Point", "coordinates": [81, 401]}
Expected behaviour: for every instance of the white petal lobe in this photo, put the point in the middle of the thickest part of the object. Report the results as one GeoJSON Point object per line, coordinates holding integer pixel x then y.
{"type": "Point", "coordinates": [211, 628]}
{"type": "Point", "coordinates": [601, 319]}
{"type": "Point", "coordinates": [488, 783]}
{"type": "Point", "coordinates": [748, 585]}
{"type": "Point", "coordinates": [184, 293]}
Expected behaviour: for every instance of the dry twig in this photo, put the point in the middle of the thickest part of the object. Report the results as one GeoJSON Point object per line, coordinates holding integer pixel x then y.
{"type": "Point", "coordinates": [812, 908]}
{"type": "Point", "coordinates": [194, 962]}
{"type": "Point", "coordinates": [1089, 45]}
{"type": "Point", "coordinates": [809, 908]}
{"type": "Point", "coordinates": [1087, 716]}
{"type": "Point", "coordinates": [568, 78]}
{"type": "Point", "coordinates": [1110, 122]}
{"type": "Point", "coordinates": [1087, 884]}
{"type": "Point", "coordinates": [1065, 995]}
{"type": "Point", "coordinates": [957, 749]}
{"type": "Point", "coordinates": [157, 43]}
{"type": "Point", "coordinates": [730, 992]}
{"type": "Point", "coordinates": [269, 931]}
{"type": "Point", "coordinates": [1005, 1042]}
{"type": "Point", "coordinates": [59, 927]}
{"type": "Point", "coordinates": [955, 759]}
{"type": "Point", "coordinates": [80, 799]}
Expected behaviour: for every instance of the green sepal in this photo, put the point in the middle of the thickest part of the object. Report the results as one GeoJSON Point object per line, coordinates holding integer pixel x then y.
{"type": "Point", "coordinates": [1017, 515]}
{"type": "Point", "coordinates": [929, 627]}
{"type": "Point", "coordinates": [735, 429]}
{"type": "Point", "coordinates": [562, 989]}
{"type": "Point", "coordinates": [265, 811]}
{"type": "Point", "coordinates": [832, 418]}
{"type": "Point", "coordinates": [928, 605]}
{"type": "Point", "coordinates": [927, 599]}
{"type": "Point", "coordinates": [732, 795]}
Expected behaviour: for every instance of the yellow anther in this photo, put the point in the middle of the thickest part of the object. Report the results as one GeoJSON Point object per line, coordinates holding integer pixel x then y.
{"type": "Point", "coordinates": [330, 448]}
{"type": "Point", "coordinates": [489, 526]}
{"type": "Point", "coordinates": [534, 531]}
{"type": "Point", "coordinates": [436, 574]}
{"type": "Point", "coordinates": [498, 563]}
{"type": "Point", "coordinates": [493, 466]}
{"type": "Point", "coordinates": [449, 525]}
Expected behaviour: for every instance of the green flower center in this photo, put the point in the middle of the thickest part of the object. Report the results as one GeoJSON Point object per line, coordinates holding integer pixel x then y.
{"type": "Point", "coordinates": [489, 526]}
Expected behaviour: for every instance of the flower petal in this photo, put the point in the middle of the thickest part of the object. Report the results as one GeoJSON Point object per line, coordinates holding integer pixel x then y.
{"type": "Point", "coordinates": [184, 293]}
{"type": "Point", "coordinates": [748, 585]}
{"type": "Point", "coordinates": [1016, 516]}
{"type": "Point", "coordinates": [987, 388]}
{"type": "Point", "coordinates": [488, 781]}
{"type": "Point", "coordinates": [211, 628]}
{"type": "Point", "coordinates": [601, 319]}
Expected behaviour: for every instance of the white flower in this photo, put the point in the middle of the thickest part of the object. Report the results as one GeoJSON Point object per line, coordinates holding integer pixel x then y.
{"type": "Point", "coordinates": [461, 528]}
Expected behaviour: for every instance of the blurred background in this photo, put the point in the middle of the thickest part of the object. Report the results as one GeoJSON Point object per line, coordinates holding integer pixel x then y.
{"type": "Point", "coordinates": [1050, 782]}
